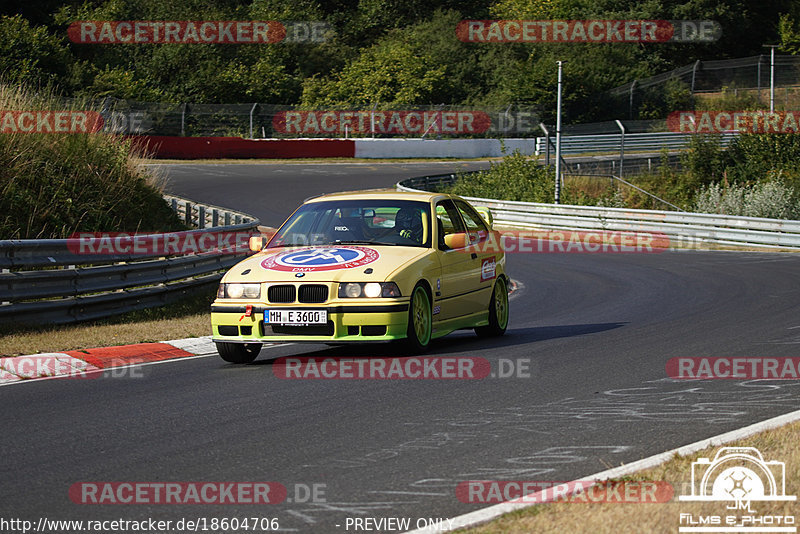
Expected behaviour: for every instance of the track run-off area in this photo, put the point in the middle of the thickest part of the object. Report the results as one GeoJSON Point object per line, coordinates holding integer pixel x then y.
{"type": "Point", "coordinates": [578, 385]}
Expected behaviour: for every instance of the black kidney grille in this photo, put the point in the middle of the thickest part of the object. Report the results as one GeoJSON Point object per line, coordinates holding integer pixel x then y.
{"type": "Point", "coordinates": [283, 294]}
{"type": "Point", "coordinates": [313, 293]}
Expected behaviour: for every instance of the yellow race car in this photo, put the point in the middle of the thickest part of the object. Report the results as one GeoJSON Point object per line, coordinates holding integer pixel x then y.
{"type": "Point", "coordinates": [377, 265]}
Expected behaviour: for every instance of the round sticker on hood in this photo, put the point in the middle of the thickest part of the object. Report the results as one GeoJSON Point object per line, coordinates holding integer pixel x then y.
{"type": "Point", "coordinates": [321, 259]}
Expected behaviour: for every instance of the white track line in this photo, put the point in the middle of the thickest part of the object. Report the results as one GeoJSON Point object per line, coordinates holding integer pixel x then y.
{"type": "Point", "coordinates": [487, 514]}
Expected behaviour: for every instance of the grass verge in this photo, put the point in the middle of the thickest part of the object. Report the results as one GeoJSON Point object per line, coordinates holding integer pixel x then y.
{"type": "Point", "coordinates": [779, 444]}
{"type": "Point", "coordinates": [55, 184]}
{"type": "Point", "coordinates": [189, 317]}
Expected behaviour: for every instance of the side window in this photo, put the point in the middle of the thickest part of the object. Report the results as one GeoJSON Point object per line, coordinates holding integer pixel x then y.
{"type": "Point", "coordinates": [476, 227]}
{"type": "Point", "coordinates": [449, 221]}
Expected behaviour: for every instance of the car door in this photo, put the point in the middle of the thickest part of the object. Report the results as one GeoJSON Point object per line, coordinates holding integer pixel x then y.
{"type": "Point", "coordinates": [483, 267]}
{"type": "Point", "coordinates": [457, 281]}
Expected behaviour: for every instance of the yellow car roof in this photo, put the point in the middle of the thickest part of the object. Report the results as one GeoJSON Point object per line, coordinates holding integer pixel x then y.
{"type": "Point", "coordinates": [377, 194]}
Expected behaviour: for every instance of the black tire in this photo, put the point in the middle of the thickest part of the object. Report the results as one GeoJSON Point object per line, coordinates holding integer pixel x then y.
{"type": "Point", "coordinates": [420, 321]}
{"type": "Point", "coordinates": [498, 311]}
{"type": "Point", "coordinates": [238, 352]}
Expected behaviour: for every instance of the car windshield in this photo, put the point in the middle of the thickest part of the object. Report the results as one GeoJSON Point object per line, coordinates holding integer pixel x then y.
{"type": "Point", "coordinates": [357, 222]}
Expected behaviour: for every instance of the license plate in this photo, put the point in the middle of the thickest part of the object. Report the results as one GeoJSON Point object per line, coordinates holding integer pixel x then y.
{"type": "Point", "coordinates": [296, 317]}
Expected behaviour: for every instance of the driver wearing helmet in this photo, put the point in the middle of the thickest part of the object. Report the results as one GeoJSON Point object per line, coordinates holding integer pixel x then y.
{"type": "Point", "coordinates": [408, 224]}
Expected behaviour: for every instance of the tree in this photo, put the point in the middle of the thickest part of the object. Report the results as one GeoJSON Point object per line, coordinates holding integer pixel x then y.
{"type": "Point", "coordinates": [388, 72]}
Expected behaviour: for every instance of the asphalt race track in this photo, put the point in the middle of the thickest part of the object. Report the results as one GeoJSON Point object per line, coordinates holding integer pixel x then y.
{"type": "Point", "coordinates": [589, 337]}
{"type": "Point", "coordinates": [272, 191]}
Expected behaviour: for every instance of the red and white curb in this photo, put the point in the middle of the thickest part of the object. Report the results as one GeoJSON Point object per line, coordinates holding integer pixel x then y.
{"type": "Point", "coordinates": [83, 363]}
{"type": "Point", "coordinates": [543, 497]}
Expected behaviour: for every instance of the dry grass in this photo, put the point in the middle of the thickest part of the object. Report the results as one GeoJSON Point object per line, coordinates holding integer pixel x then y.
{"type": "Point", "coordinates": [187, 318]}
{"type": "Point", "coordinates": [74, 337]}
{"type": "Point", "coordinates": [786, 98]}
{"type": "Point", "coordinates": [779, 444]}
{"type": "Point", "coordinates": [590, 186]}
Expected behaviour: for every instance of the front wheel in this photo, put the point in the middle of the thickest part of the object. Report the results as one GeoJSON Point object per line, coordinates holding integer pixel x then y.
{"type": "Point", "coordinates": [420, 321]}
{"type": "Point", "coordinates": [238, 352]}
{"type": "Point", "coordinates": [498, 311]}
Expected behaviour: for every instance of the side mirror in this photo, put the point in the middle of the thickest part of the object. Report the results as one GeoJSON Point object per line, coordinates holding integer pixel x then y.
{"type": "Point", "coordinates": [486, 214]}
{"type": "Point", "coordinates": [256, 243]}
{"type": "Point", "coordinates": [457, 240]}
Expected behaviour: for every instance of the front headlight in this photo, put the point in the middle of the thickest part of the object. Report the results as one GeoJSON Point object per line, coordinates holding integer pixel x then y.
{"type": "Point", "coordinates": [239, 291]}
{"type": "Point", "coordinates": [372, 290]}
{"type": "Point", "coordinates": [368, 290]}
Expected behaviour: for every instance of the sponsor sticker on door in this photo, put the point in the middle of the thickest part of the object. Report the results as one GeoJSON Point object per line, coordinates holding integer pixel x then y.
{"type": "Point", "coordinates": [488, 269]}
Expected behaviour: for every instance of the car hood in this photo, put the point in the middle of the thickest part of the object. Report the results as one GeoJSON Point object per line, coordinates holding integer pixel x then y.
{"type": "Point", "coordinates": [343, 263]}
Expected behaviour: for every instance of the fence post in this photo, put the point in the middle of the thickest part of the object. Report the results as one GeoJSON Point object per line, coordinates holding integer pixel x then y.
{"type": "Point", "coordinates": [201, 217]}
{"type": "Point", "coordinates": [758, 70]}
{"type": "Point", "coordinates": [695, 68]}
{"type": "Point", "coordinates": [621, 146]}
{"type": "Point", "coordinates": [546, 143]}
{"type": "Point", "coordinates": [183, 119]}
{"type": "Point", "coordinates": [251, 119]}
{"type": "Point", "coordinates": [630, 100]}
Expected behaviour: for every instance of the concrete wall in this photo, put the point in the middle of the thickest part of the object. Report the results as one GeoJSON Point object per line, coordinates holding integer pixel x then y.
{"type": "Point", "coordinates": [236, 147]}
{"type": "Point", "coordinates": [439, 148]}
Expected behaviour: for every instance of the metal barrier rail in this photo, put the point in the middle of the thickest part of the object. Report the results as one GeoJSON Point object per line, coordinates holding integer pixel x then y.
{"type": "Point", "coordinates": [598, 143]}
{"type": "Point", "coordinates": [683, 229]}
{"type": "Point", "coordinates": [97, 285]}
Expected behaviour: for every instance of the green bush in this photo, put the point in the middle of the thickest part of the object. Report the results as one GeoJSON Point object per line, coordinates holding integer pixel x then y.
{"type": "Point", "coordinates": [516, 177]}
{"type": "Point", "coordinates": [773, 199]}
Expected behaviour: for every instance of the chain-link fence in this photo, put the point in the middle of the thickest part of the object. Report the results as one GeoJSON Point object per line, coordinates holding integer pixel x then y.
{"type": "Point", "coordinates": [680, 88]}
{"type": "Point", "coordinates": [259, 120]}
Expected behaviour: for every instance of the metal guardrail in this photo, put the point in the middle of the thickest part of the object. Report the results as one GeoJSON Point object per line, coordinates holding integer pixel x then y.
{"type": "Point", "coordinates": [600, 143]}
{"type": "Point", "coordinates": [52, 282]}
{"type": "Point", "coordinates": [684, 229]}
